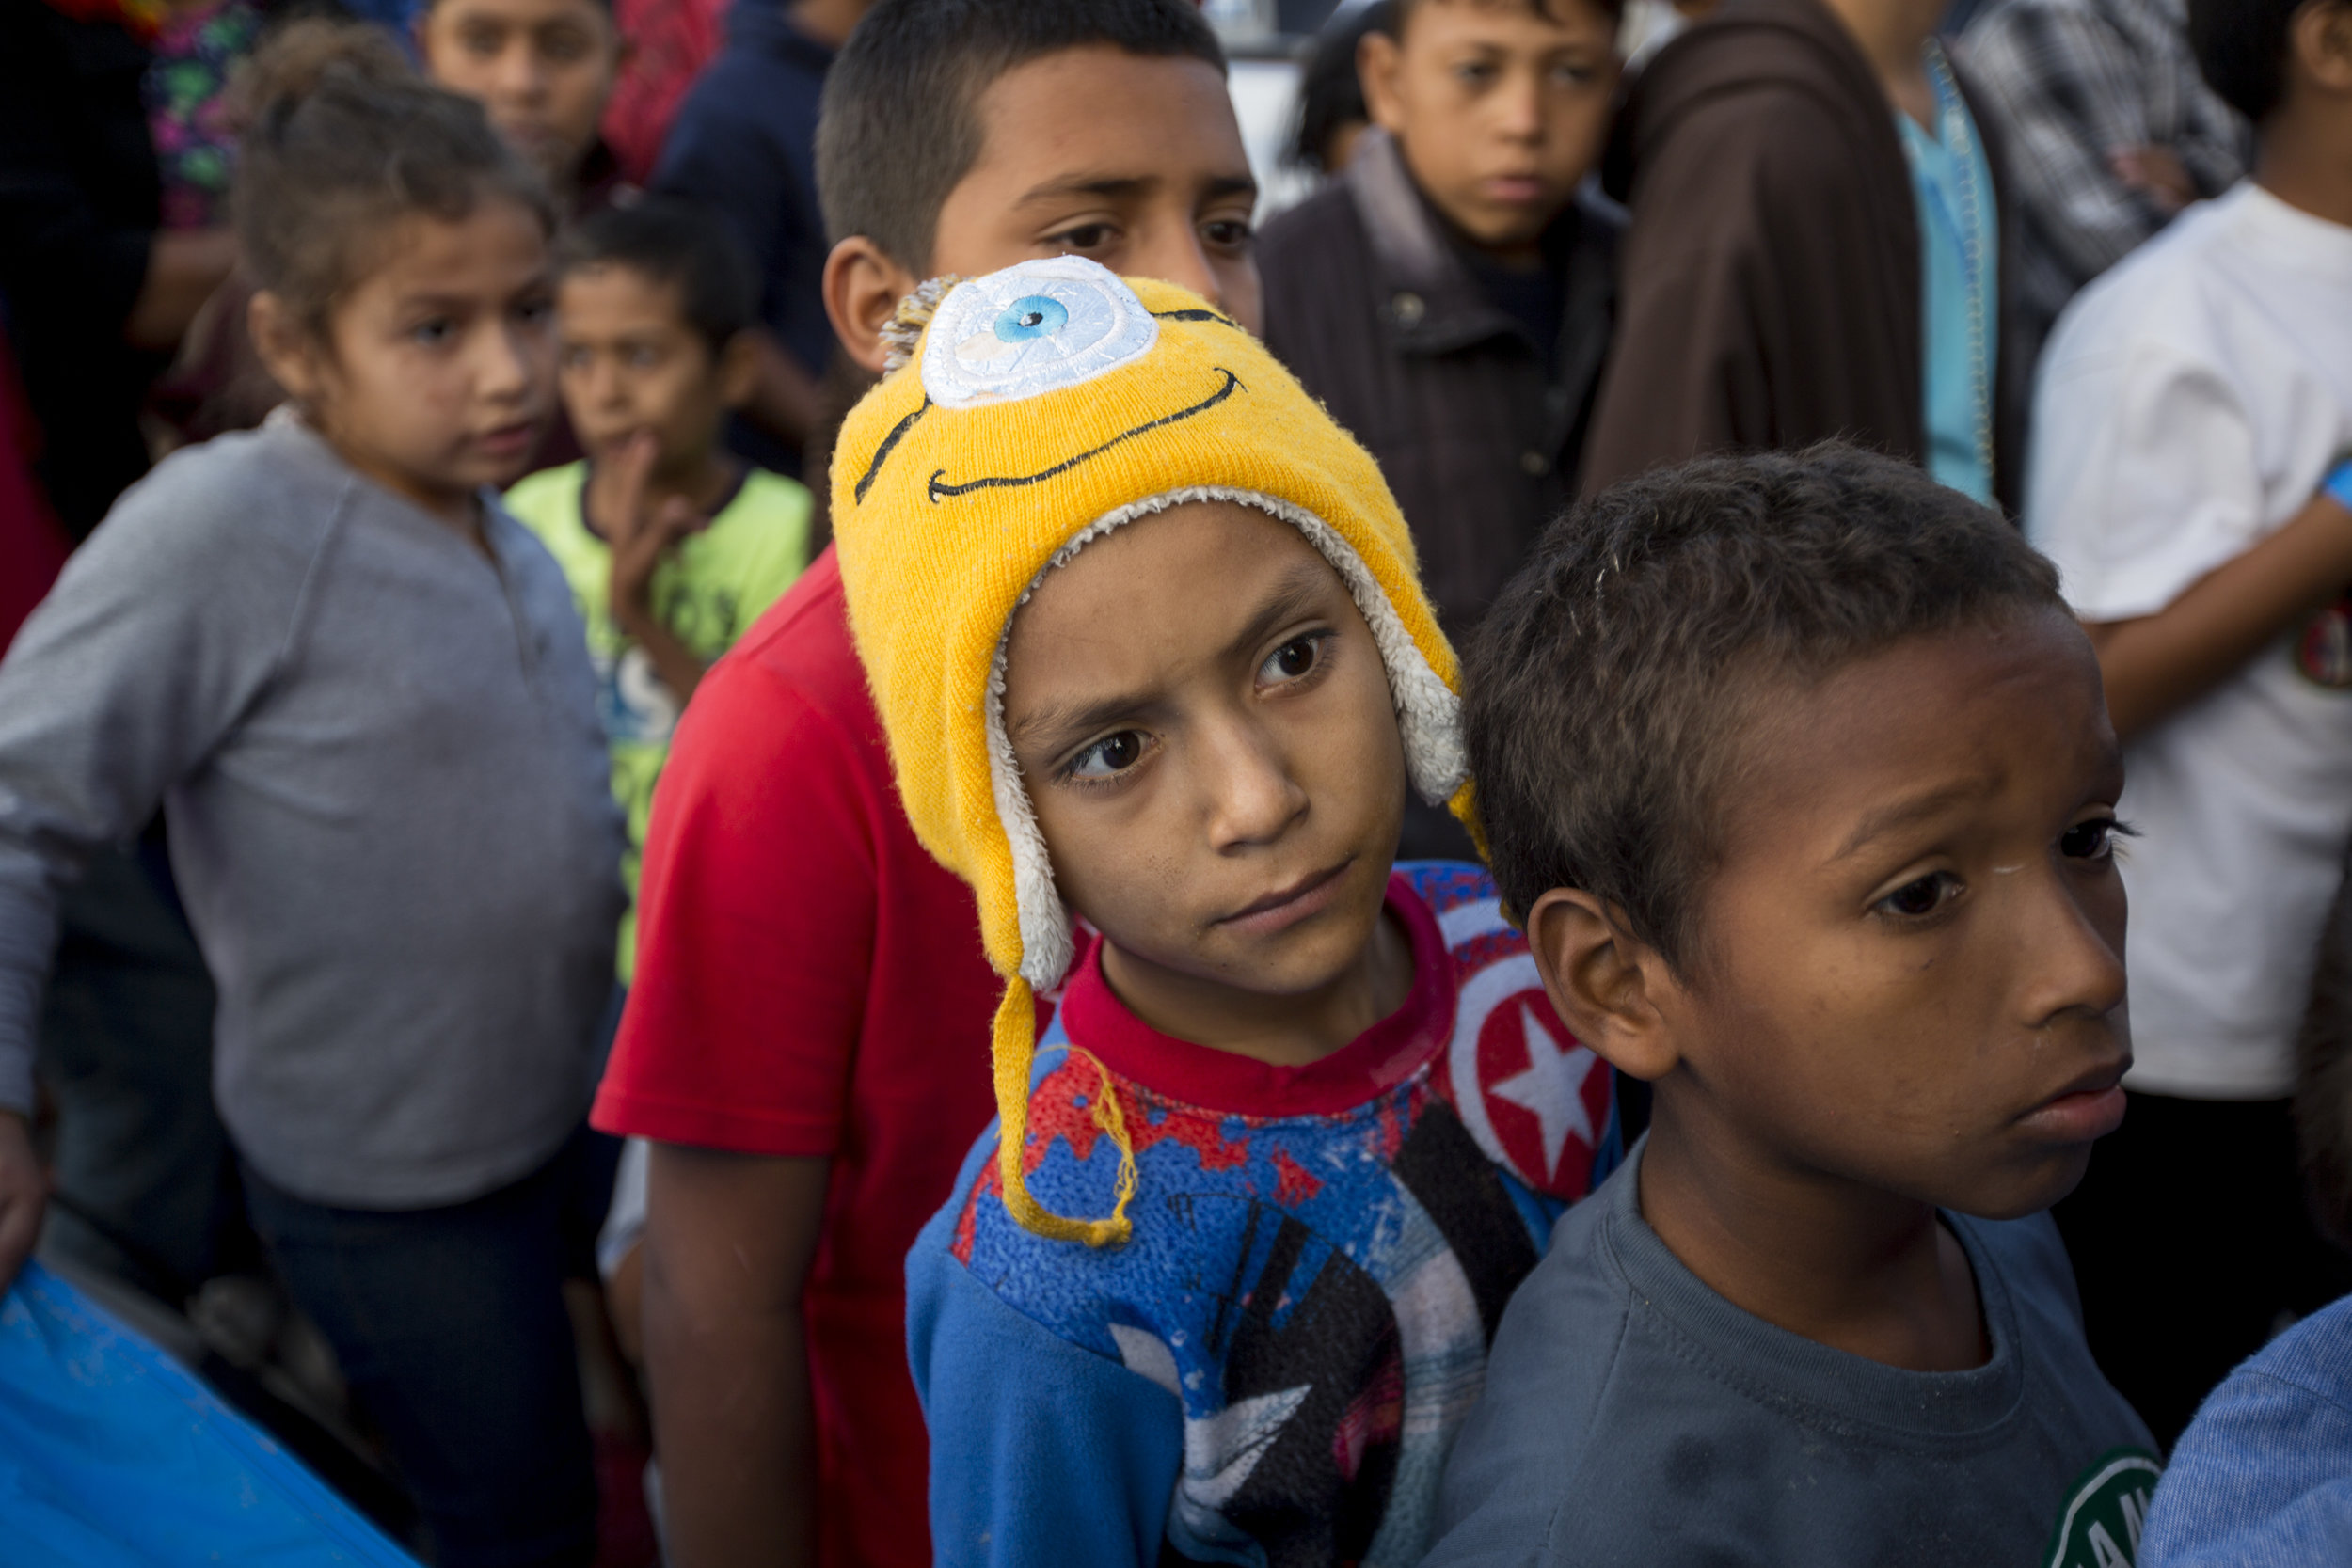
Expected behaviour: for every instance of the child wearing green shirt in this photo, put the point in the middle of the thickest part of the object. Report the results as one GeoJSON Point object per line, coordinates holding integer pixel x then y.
{"type": "Point", "coordinates": [672, 545]}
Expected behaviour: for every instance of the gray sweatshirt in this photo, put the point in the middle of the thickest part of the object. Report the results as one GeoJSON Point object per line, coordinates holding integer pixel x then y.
{"type": "Point", "coordinates": [390, 809]}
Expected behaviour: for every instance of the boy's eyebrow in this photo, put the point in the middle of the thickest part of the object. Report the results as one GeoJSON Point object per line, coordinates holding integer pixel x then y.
{"type": "Point", "coordinates": [1053, 727]}
{"type": "Point", "coordinates": [1126, 186]}
{"type": "Point", "coordinates": [1297, 593]}
{"type": "Point", "coordinates": [1111, 185]}
{"type": "Point", "coordinates": [1905, 813]}
{"type": "Point", "coordinates": [424, 299]}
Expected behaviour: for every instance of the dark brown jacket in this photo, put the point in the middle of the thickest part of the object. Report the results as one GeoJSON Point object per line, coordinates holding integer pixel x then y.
{"type": "Point", "coordinates": [1772, 291]}
{"type": "Point", "coordinates": [1370, 303]}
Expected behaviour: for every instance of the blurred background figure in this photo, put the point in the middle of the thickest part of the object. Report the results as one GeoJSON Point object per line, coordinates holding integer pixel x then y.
{"type": "Point", "coordinates": [1816, 250]}
{"type": "Point", "coordinates": [744, 143]}
{"type": "Point", "coordinates": [666, 45]}
{"type": "Point", "coordinates": [544, 69]}
{"type": "Point", "coordinates": [1331, 112]}
{"type": "Point", "coordinates": [1651, 25]}
{"type": "Point", "coordinates": [96, 290]}
{"type": "Point", "coordinates": [2110, 132]}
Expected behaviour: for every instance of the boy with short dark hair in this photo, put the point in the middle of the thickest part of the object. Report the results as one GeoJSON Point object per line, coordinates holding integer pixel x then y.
{"type": "Point", "coordinates": [2191, 481]}
{"type": "Point", "coordinates": [933, 152]}
{"type": "Point", "coordinates": [1798, 776]}
{"type": "Point", "coordinates": [1449, 298]}
{"type": "Point", "coordinates": [811, 1068]}
{"type": "Point", "coordinates": [673, 545]}
{"type": "Point", "coordinates": [1144, 634]}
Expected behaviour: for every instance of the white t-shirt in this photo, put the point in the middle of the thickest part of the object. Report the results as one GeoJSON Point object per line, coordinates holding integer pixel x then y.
{"type": "Point", "coordinates": [2190, 403]}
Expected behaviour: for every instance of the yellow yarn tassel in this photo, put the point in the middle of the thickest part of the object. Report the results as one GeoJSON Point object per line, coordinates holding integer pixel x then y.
{"type": "Point", "coordinates": [903, 332]}
{"type": "Point", "coordinates": [1465, 809]}
{"type": "Point", "coordinates": [1015, 1049]}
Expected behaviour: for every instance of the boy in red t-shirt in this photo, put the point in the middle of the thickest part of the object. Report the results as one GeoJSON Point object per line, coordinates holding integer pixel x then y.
{"type": "Point", "coordinates": [806, 1042]}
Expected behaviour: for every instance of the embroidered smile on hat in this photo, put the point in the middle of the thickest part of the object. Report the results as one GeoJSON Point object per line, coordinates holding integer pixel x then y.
{"type": "Point", "coordinates": [1043, 406]}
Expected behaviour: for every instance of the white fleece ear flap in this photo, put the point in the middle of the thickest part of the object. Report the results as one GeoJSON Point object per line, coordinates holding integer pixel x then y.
{"type": "Point", "coordinates": [1428, 714]}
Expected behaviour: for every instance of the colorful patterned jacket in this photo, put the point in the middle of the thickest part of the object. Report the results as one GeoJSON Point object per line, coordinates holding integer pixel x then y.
{"type": "Point", "coordinates": [1272, 1369]}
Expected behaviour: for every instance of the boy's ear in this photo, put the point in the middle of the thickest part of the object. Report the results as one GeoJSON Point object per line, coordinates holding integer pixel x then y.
{"type": "Point", "coordinates": [863, 286]}
{"type": "Point", "coordinates": [1603, 984]}
{"type": "Point", "coordinates": [2320, 39]}
{"type": "Point", "coordinates": [285, 345]}
{"type": "Point", "coordinates": [1378, 59]}
{"type": "Point", "coordinates": [737, 368]}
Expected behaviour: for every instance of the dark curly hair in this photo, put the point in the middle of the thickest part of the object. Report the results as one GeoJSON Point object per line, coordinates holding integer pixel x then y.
{"type": "Point", "coordinates": [1612, 685]}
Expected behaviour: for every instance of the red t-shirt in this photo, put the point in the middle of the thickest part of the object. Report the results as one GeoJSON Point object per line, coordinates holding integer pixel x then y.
{"type": "Point", "coordinates": [810, 982]}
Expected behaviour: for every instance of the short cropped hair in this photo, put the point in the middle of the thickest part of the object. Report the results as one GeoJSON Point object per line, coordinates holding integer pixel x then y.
{"type": "Point", "coordinates": [2242, 50]}
{"type": "Point", "coordinates": [673, 241]}
{"type": "Point", "coordinates": [1611, 687]}
{"type": "Point", "coordinates": [896, 129]}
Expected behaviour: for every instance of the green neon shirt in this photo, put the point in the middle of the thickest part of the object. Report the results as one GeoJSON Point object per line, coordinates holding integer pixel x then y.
{"type": "Point", "coordinates": [708, 591]}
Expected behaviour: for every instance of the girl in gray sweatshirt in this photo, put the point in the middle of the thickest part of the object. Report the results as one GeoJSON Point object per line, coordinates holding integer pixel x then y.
{"type": "Point", "coordinates": [360, 694]}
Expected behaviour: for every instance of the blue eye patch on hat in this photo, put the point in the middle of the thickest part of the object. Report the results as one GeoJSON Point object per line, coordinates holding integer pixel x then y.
{"type": "Point", "coordinates": [1032, 316]}
{"type": "Point", "coordinates": [1038, 327]}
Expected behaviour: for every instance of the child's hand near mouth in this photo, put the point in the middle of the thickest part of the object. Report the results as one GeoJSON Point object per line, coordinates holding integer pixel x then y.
{"type": "Point", "coordinates": [641, 536]}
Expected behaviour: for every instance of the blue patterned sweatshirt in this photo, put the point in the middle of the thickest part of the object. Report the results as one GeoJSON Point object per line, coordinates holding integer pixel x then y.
{"type": "Point", "coordinates": [1272, 1369]}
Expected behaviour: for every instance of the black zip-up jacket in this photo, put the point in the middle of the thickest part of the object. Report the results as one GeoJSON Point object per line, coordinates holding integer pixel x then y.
{"type": "Point", "coordinates": [1371, 303]}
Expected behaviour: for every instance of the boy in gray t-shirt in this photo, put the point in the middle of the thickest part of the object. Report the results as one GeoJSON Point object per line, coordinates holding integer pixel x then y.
{"type": "Point", "coordinates": [1801, 775]}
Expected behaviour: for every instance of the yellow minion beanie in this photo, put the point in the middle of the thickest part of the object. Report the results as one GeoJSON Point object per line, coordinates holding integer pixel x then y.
{"type": "Point", "coordinates": [1043, 406]}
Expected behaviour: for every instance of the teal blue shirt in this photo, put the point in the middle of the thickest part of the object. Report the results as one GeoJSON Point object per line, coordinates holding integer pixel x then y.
{"type": "Point", "coordinates": [1960, 287]}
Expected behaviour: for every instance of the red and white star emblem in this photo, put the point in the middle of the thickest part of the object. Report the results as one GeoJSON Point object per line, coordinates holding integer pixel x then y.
{"type": "Point", "coordinates": [1535, 1100]}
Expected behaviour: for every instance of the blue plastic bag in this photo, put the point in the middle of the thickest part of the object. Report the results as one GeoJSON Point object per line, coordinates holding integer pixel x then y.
{"type": "Point", "coordinates": [112, 1455]}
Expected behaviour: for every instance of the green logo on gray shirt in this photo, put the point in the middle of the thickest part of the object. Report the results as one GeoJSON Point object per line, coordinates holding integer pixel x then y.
{"type": "Point", "coordinates": [2105, 1509]}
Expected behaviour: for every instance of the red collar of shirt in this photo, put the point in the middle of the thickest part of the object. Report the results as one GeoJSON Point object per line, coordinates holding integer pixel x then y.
{"type": "Point", "coordinates": [1381, 1057]}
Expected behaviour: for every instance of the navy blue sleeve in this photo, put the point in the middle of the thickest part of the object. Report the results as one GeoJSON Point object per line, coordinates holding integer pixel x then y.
{"type": "Point", "coordinates": [1043, 1452]}
{"type": "Point", "coordinates": [725, 154]}
{"type": "Point", "coordinates": [726, 161]}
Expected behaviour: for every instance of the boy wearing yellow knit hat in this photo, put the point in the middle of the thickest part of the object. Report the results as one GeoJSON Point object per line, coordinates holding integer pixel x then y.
{"type": "Point", "coordinates": [1143, 627]}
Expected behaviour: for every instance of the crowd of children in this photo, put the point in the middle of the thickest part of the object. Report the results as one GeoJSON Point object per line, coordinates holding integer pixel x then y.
{"type": "Point", "coordinates": [962, 701]}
